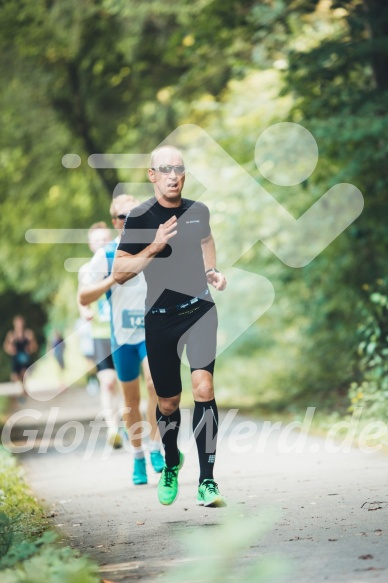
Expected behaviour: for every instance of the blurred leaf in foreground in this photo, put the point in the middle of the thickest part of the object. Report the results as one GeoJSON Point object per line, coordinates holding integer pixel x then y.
{"type": "Point", "coordinates": [230, 551]}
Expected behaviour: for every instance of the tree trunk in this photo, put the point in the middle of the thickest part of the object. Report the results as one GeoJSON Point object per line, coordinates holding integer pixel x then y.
{"type": "Point", "coordinates": [80, 124]}
{"type": "Point", "coordinates": [377, 17]}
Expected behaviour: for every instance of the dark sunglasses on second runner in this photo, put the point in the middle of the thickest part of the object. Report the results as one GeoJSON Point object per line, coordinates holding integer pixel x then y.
{"type": "Point", "coordinates": [166, 169]}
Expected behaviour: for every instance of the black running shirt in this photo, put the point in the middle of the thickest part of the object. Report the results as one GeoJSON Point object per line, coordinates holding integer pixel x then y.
{"type": "Point", "coordinates": [177, 273]}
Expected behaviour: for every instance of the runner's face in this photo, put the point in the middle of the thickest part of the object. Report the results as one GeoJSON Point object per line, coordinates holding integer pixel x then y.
{"type": "Point", "coordinates": [98, 238]}
{"type": "Point", "coordinates": [18, 323]}
{"type": "Point", "coordinates": [167, 186]}
{"type": "Point", "coordinates": [122, 211]}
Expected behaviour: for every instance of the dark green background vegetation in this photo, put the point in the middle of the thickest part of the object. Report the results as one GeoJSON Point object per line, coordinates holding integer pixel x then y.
{"type": "Point", "coordinates": [91, 76]}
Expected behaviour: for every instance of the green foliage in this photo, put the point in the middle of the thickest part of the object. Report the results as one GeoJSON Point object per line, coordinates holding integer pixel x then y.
{"type": "Point", "coordinates": [91, 77]}
{"type": "Point", "coordinates": [40, 561]}
{"type": "Point", "coordinates": [217, 554]}
{"type": "Point", "coordinates": [6, 534]}
{"type": "Point", "coordinates": [27, 554]}
{"type": "Point", "coordinates": [119, 75]}
{"type": "Point", "coordinates": [12, 554]}
{"type": "Point", "coordinates": [4, 405]}
{"type": "Point", "coordinates": [371, 391]}
{"type": "Point", "coordinates": [334, 61]}
{"type": "Point", "coordinates": [16, 501]}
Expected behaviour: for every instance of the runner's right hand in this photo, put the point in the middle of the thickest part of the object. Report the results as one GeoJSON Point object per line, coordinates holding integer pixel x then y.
{"type": "Point", "coordinates": [164, 233]}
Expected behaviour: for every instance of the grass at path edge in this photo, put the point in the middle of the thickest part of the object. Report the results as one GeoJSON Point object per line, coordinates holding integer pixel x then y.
{"type": "Point", "coordinates": [29, 551]}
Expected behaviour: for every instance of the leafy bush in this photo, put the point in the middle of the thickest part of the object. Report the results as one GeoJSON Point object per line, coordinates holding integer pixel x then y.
{"type": "Point", "coordinates": [6, 535]}
{"type": "Point", "coordinates": [34, 562]}
{"type": "Point", "coordinates": [27, 553]}
{"type": "Point", "coordinates": [16, 502]}
{"type": "Point", "coordinates": [371, 390]}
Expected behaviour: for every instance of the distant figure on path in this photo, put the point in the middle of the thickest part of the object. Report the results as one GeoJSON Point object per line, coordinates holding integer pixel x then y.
{"type": "Point", "coordinates": [58, 346]}
{"type": "Point", "coordinates": [20, 344]}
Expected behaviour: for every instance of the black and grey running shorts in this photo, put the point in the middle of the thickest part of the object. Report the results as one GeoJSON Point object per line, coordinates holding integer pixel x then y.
{"type": "Point", "coordinates": [102, 354]}
{"type": "Point", "coordinates": [195, 328]}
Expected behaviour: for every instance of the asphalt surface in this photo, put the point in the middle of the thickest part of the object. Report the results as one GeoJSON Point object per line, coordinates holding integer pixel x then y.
{"type": "Point", "coordinates": [326, 511]}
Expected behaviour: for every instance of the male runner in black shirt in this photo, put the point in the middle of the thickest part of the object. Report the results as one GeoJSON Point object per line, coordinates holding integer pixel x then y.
{"type": "Point", "coordinates": [169, 238]}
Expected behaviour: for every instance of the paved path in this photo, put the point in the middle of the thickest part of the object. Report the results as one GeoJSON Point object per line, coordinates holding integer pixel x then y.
{"type": "Point", "coordinates": [328, 527]}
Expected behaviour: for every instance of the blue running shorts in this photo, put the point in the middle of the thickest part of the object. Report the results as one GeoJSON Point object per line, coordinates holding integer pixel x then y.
{"type": "Point", "coordinates": [127, 359]}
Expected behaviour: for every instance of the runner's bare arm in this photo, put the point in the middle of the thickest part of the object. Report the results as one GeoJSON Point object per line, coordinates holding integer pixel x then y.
{"type": "Point", "coordinates": [90, 293]}
{"type": "Point", "coordinates": [85, 311]}
{"type": "Point", "coordinates": [215, 278]}
{"type": "Point", "coordinates": [33, 345]}
{"type": "Point", "coordinates": [8, 345]}
{"type": "Point", "coordinates": [126, 266]}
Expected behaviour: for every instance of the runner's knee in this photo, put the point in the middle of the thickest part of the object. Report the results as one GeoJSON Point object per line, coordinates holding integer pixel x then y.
{"type": "Point", "coordinates": [203, 390]}
{"type": "Point", "coordinates": [167, 406]}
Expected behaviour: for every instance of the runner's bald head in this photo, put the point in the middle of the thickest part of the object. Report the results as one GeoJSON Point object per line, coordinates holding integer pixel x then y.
{"type": "Point", "coordinates": [165, 154]}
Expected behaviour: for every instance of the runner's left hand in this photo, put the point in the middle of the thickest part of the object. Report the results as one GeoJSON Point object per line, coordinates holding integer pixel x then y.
{"type": "Point", "coordinates": [217, 280]}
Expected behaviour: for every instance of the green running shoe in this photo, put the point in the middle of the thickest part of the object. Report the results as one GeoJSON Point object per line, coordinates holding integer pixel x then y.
{"type": "Point", "coordinates": [157, 461]}
{"type": "Point", "coordinates": [168, 483]}
{"type": "Point", "coordinates": [139, 475]}
{"type": "Point", "coordinates": [209, 495]}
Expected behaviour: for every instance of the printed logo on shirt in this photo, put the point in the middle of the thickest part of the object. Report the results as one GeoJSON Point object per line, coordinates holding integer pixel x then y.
{"type": "Point", "coordinates": [189, 222]}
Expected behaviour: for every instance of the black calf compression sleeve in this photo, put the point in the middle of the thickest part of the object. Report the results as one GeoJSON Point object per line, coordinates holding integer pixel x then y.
{"type": "Point", "coordinates": [205, 427]}
{"type": "Point", "coordinates": [169, 429]}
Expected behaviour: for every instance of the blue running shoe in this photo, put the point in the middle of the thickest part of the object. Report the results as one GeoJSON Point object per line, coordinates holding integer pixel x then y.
{"type": "Point", "coordinates": [157, 461]}
{"type": "Point", "coordinates": [139, 475]}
